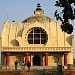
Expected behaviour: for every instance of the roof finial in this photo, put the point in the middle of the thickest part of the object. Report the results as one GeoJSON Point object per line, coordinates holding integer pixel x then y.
{"type": "Point", "coordinates": [38, 7]}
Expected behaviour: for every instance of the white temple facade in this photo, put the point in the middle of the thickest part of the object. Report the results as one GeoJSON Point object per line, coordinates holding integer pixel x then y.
{"type": "Point", "coordinates": [38, 39]}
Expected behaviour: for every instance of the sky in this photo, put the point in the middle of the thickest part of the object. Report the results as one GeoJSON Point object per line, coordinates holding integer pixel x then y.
{"type": "Point", "coordinates": [19, 10]}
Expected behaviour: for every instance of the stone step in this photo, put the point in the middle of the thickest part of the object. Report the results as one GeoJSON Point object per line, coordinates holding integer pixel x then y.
{"type": "Point", "coordinates": [37, 72]}
{"type": "Point", "coordinates": [21, 73]}
{"type": "Point", "coordinates": [32, 67]}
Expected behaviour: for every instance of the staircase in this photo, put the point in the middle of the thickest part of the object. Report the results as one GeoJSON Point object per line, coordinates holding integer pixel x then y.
{"type": "Point", "coordinates": [33, 73]}
{"type": "Point", "coordinates": [34, 70]}
{"type": "Point", "coordinates": [22, 72]}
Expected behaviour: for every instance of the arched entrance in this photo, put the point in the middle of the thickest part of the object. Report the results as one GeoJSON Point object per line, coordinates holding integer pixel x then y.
{"type": "Point", "coordinates": [36, 61]}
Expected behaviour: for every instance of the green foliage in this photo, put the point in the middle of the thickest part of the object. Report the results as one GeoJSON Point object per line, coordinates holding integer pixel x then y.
{"type": "Point", "coordinates": [68, 12]}
{"type": "Point", "coordinates": [66, 27]}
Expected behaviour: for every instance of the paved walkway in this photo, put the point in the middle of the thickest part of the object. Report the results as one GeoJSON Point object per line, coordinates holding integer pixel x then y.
{"type": "Point", "coordinates": [36, 71]}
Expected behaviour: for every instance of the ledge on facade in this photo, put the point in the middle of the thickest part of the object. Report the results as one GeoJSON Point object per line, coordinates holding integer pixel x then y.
{"type": "Point", "coordinates": [37, 49]}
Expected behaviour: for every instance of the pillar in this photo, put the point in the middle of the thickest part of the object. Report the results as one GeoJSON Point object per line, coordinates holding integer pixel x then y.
{"type": "Point", "coordinates": [46, 59]}
{"type": "Point", "coordinates": [26, 57]}
{"type": "Point", "coordinates": [70, 56]}
{"type": "Point", "coordinates": [65, 59]}
{"type": "Point", "coordinates": [8, 59]}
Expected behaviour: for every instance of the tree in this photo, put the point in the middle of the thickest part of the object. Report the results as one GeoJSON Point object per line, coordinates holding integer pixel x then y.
{"type": "Point", "coordinates": [68, 13]}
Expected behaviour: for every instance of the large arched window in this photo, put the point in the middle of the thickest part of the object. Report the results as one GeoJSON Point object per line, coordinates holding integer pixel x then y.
{"type": "Point", "coordinates": [37, 36]}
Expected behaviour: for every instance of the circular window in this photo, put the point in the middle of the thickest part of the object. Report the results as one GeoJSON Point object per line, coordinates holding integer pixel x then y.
{"type": "Point", "coordinates": [37, 36]}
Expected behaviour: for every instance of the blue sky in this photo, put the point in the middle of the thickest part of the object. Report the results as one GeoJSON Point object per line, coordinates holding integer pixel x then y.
{"type": "Point", "coordinates": [18, 10]}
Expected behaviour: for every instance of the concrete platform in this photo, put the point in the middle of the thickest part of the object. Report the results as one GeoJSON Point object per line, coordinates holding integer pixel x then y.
{"type": "Point", "coordinates": [36, 70]}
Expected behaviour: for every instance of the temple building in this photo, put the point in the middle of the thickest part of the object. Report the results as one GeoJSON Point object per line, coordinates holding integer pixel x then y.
{"type": "Point", "coordinates": [38, 39]}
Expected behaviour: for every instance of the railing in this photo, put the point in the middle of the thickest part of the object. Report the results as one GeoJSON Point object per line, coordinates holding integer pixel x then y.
{"type": "Point", "coordinates": [36, 49]}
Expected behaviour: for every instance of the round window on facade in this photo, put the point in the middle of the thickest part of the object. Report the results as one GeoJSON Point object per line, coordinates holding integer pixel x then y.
{"type": "Point", "coordinates": [37, 36]}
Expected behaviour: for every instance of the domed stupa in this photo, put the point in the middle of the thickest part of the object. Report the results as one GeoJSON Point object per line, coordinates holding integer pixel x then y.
{"type": "Point", "coordinates": [38, 39]}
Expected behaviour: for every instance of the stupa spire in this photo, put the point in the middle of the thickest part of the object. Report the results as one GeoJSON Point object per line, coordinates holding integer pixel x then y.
{"type": "Point", "coordinates": [38, 7]}
{"type": "Point", "coordinates": [38, 10]}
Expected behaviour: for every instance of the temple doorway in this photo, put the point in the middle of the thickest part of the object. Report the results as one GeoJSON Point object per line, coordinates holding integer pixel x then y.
{"type": "Point", "coordinates": [36, 61]}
